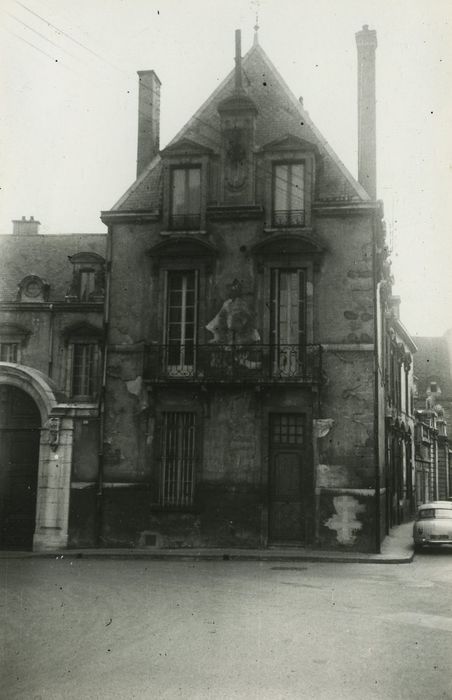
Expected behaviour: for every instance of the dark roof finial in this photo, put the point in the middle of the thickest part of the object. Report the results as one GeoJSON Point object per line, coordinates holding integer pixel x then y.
{"type": "Point", "coordinates": [238, 60]}
{"type": "Point", "coordinates": [256, 30]}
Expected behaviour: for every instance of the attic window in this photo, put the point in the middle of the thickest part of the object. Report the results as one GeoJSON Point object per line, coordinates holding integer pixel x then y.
{"type": "Point", "coordinates": [185, 211]}
{"type": "Point", "coordinates": [433, 387]}
{"type": "Point", "coordinates": [87, 284]}
{"type": "Point", "coordinates": [288, 195]}
{"type": "Point", "coordinates": [87, 278]}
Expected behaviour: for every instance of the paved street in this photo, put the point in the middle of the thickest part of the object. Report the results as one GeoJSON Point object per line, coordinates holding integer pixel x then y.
{"type": "Point", "coordinates": [79, 628]}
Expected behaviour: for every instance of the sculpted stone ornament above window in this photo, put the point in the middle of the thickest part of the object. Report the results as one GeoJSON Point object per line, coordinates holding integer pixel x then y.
{"type": "Point", "coordinates": [236, 165]}
{"type": "Point", "coordinates": [234, 323]}
{"type": "Point", "coordinates": [33, 289]}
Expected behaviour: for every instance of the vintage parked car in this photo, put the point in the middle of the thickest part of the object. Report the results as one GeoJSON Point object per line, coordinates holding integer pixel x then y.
{"type": "Point", "coordinates": [433, 524]}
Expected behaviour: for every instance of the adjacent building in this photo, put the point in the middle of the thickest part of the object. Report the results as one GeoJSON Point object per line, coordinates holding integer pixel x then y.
{"type": "Point", "coordinates": [51, 339]}
{"type": "Point", "coordinates": [433, 402]}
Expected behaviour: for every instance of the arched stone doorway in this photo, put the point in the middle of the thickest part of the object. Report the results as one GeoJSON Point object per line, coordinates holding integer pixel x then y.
{"type": "Point", "coordinates": [20, 423]}
{"type": "Point", "coordinates": [54, 419]}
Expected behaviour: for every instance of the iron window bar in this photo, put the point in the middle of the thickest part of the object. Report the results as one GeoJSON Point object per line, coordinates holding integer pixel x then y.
{"type": "Point", "coordinates": [288, 218]}
{"type": "Point", "coordinates": [251, 363]}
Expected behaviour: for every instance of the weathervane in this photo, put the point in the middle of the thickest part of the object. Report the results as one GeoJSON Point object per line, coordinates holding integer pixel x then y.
{"type": "Point", "coordinates": [256, 26]}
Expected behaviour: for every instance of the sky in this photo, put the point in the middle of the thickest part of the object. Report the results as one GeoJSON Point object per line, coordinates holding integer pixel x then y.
{"type": "Point", "coordinates": [69, 95]}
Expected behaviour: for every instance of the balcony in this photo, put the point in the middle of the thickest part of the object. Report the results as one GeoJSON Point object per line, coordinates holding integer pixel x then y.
{"type": "Point", "coordinates": [290, 218]}
{"type": "Point", "coordinates": [226, 364]}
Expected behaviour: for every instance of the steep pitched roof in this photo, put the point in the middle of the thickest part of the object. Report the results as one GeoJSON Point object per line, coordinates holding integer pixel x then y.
{"type": "Point", "coordinates": [45, 256]}
{"type": "Point", "coordinates": [279, 114]}
{"type": "Point", "coordinates": [432, 363]}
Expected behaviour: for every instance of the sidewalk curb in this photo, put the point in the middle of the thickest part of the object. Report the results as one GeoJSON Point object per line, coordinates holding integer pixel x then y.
{"type": "Point", "coordinates": [220, 555]}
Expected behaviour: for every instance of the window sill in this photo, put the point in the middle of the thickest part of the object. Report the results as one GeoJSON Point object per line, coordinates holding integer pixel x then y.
{"type": "Point", "coordinates": [288, 229]}
{"type": "Point", "coordinates": [183, 232]}
{"type": "Point", "coordinates": [157, 508]}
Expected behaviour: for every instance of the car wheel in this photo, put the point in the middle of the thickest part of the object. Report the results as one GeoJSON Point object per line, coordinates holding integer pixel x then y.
{"type": "Point", "coordinates": [418, 547]}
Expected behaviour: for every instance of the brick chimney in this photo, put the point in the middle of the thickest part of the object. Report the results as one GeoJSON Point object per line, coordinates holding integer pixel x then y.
{"type": "Point", "coordinates": [25, 227]}
{"type": "Point", "coordinates": [366, 42]}
{"type": "Point", "coordinates": [148, 118]}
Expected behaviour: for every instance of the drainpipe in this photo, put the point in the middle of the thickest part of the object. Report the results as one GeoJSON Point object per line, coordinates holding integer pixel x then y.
{"type": "Point", "coordinates": [376, 292]}
{"type": "Point", "coordinates": [50, 354]}
{"type": "Point", "coordinates": [102, 393]}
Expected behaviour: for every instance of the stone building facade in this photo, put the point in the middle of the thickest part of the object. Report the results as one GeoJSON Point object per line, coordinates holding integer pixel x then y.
{"type": "Point", "coordinates": [238, 321]}
{"type": "Point", "coordinates": [51, 339]}
{"type": "Point", "coordinates": [243, 406]}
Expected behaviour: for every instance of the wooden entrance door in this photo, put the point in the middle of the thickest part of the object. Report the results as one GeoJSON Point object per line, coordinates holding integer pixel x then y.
{"type": "Point", "coordinates": [20, 423]}
{"type": "Point", "coordinates": [287, 483]}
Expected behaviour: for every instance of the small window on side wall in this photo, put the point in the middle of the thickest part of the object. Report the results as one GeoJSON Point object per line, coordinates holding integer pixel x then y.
{"type": "Point", "coordinates": [9, 352]}
{"type": "Point", "coordinates": [288, 194]}
{"type": "Point", "coordinates": [83, 362]}
{"type": "Point", "coordinates": [185, 202]}
{"type": "Point", "coordinates": [12, 339]}
{"type": "Point", "coordinates": [84, 369]}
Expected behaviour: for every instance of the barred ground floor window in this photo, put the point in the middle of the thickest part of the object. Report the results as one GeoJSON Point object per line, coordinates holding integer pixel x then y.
{"type": "Point", "coordinates": [178, 458]}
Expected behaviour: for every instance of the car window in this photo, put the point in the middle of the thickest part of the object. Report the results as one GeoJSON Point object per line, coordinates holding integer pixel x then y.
{"type": "Point", "coordinates": [429, 513]}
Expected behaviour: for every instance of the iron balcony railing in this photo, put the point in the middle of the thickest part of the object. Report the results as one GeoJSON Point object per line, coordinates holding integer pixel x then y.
{"type": "Point", "coordinates": [290, 218]}
{"type": "Point", "coordinates": [185, 222]}
{"type": "Point", "coordinates": [234, 363]}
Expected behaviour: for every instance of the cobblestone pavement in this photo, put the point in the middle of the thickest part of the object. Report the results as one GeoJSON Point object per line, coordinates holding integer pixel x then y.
{"type": "Point", "coordinates": [86, 629]}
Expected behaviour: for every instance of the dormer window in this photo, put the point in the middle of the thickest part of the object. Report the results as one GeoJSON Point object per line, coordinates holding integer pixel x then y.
{"type": "Point", "coordinates": [87, 278]}
{"type": "Point", "coordinates": [87, 284]}
{"type": "Point", "coordinates": [288, 195]}
{"type": "Point", "coordinates": [289, 164]}
{"type": "Point", "coordinates": [185, 213]}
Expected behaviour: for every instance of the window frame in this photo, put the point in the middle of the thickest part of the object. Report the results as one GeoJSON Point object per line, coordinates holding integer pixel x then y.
{"type": "Point", "coordinates": [91, 287]}
{"type": "Point", "coordinates": [289, 211]}
{"type": "Point", "coordinates": [287, 356]}
{"type": "Point", "coordinates": [83, 335]}
{"type": "Point", "coordinates": [13, 334]}
{"type": "Point", "coordinates": [281, 156]}
{"type": "Point", "coordinates": [168, 500]}
{"type": "Point", "coordinates": [187, 224]}
{"type": "Point", "coordinates": [174, 161]}
{"type": "Point", "coordinates": [183, 368]}
{"type": "Point", "coordinates": [86, 379]}
{"type": "Point", "coordinates": [7, 345]}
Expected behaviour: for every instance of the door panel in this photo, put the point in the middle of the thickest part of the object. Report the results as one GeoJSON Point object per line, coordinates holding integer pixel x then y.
{"type": "Point", "coordinates": [286, 511]}
{"type": "Point", "coordinates": [19, 455]}
{"type": "Point", "coordinates": [287, 479]}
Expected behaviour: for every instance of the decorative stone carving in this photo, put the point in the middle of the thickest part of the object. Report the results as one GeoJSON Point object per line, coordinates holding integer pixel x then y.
{"type": "Point", "coordinates": [322, 426]}
{"type": "Point", "coordinates": [234, 323]}
{"type": "Point", "coordinates": [33, 289]}
{"type": "Point", "coordinates": [54, 433]}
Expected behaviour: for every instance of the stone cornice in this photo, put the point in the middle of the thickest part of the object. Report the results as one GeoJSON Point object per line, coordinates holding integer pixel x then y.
{"type": "Point", "coordinates": [60, 306]}
{"type": "Point", "coordinates": [125, 216]}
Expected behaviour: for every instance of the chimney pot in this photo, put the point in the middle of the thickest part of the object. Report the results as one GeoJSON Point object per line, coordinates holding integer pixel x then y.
{"type": "Point", "coordinates": [148, 118]}
{"type": "Point", "coordinates": [23, 227]}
